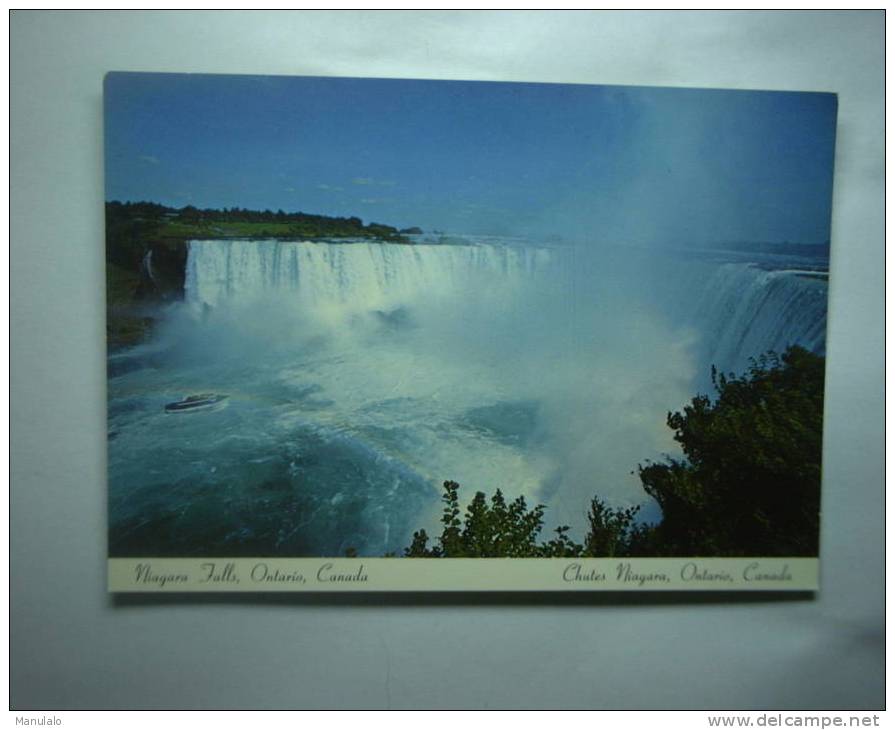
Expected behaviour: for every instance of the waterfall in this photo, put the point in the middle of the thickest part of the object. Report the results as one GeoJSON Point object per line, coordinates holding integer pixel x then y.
{"type": "Point", "coordinates": [744, 310]}
{"type": "Point", "coordinates": [356, 275]}
{"type": "Point", "coordinates": [147, 265]}
{"type": "Point", "coordinates": [739, 310]}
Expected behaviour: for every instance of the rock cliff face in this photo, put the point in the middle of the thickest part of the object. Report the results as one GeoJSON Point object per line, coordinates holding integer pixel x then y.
{"type": "Point", "coordinates": [162, 271]}
{"type": "Point", "coordinates": [136, 289]}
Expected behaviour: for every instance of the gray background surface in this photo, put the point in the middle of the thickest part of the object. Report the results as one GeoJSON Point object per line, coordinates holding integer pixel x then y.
{"type": "Point", "coordinates": [74, 646]}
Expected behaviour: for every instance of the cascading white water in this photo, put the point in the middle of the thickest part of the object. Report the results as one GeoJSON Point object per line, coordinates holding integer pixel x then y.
{"type": "Point", "coordinates": [744, 310]}
{"type": "Point", "coordinates": [357, 276]}
{"type": "Point", "coordinates": [739, 309]}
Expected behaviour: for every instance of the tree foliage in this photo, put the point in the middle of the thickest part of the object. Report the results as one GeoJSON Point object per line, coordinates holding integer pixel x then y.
{"type": "Point", "coordinates": [612, 532]}
{"type": "Point", "coordinates": [490, 528]}
{"type": "Point", "coordinates": [212, 222]}
{"type": "Point", "coordinates": [496, 528]}
{"type": "Point", "coordinates": [750, 480]}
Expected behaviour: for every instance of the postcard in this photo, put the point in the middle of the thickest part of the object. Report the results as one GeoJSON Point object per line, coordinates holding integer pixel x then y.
{"type": "Point", "coordinates": [406, 335]}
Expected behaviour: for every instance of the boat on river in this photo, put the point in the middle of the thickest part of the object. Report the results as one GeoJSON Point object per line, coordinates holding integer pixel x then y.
{"type": "Point", "coordinates": [198, 402]}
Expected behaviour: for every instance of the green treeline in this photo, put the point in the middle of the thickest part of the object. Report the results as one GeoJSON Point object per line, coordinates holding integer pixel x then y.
{"type": "Point", "coordinates": [192, 222]}
{"type": "Point", "coordinates": [748, 485]}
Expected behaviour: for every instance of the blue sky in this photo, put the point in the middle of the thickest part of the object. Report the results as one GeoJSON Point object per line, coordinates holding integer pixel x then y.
{"type": "Point", "coordinates": [621, 164]}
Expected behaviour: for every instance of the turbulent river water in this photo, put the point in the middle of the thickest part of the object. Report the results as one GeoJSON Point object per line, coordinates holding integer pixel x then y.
{"type": "Point", "coordinates": [361, 375]}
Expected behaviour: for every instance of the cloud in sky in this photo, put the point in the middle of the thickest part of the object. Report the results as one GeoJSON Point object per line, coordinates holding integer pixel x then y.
{"type": "Point", "coordinates": [152, 160]}
{"type": "Point", "coordinates": [373, 181]}
{"type": "Point", "coordinates": [330, 188]}
{"type": "Point", "coordinates": [376, 201]}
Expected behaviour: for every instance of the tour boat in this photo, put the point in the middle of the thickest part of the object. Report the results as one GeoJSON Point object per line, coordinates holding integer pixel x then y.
{"type": "Point", "coordinates": [199, 402]}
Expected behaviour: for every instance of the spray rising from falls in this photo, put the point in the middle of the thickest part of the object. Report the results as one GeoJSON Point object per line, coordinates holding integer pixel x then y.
{"type": "Point", "coordinates": [362, 375]}
{"type": "Point", "coordinates": [521, 367]}
{"type": "Point", "coordinates": [740, 309]}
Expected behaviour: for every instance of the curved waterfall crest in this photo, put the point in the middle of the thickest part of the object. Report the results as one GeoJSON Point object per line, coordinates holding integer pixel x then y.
{"type": "Point", "coordinates": [739, 310]}
{"type": "Point", "coordinates": [744, 310]}
{"type": "Point", "coordinates": [356, 274]}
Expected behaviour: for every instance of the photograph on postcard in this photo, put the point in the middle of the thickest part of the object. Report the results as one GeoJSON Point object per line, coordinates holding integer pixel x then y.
{"type": "Point", "coordinates": [406, 321]}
